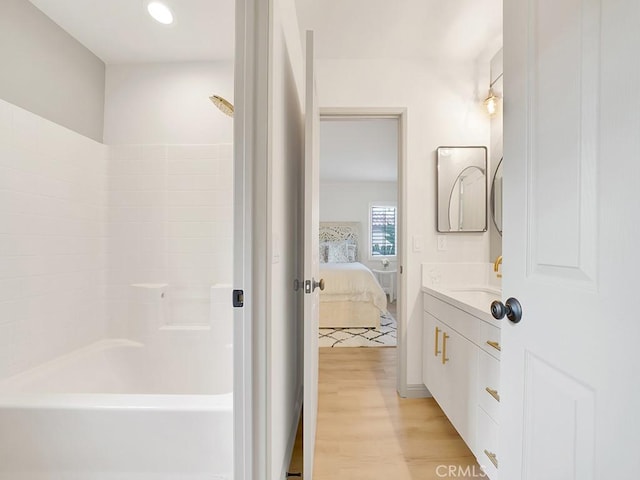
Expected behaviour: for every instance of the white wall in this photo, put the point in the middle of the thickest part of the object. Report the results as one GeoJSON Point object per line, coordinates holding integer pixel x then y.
{"type": "Point", "coordinates": [349, 202]}
{"type": "Point", "coordinates": [167, 103]}
{"type": "Point", "coordinates": [443, 108]}
{"type": "Point", "coordinates": [46, 71]}
{"type": "Point", "coordinates": [52, 240]}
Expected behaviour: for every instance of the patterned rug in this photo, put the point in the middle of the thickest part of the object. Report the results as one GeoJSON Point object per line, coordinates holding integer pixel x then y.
{"type": "Point", "coordinates": [385, 336]}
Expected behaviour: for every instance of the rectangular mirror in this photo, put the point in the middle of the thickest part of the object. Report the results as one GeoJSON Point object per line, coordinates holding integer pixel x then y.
{"type": "Point", "coordinates": [462, 189]}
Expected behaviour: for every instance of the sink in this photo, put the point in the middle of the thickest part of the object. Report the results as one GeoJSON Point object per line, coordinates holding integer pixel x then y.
{"type": "Point", "coordinates": [473, 299]}
{"type": "Point", "coordinates": [481, 299]}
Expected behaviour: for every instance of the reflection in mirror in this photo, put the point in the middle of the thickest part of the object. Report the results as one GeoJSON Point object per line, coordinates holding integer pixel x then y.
{"type": "Point", "coordinates": [462, 189]}
{"type": "Point", "coordinates": [496, 198]}
{"type": "Point", "coordinates": [464, 209]}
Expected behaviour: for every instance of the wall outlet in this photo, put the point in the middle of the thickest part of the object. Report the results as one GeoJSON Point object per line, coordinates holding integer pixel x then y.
{"type": "Point", "coordinates": [442, 243]}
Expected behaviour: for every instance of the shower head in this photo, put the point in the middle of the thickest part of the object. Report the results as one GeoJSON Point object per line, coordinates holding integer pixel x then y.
{"type": "Point", "coordinates": [223, 105]}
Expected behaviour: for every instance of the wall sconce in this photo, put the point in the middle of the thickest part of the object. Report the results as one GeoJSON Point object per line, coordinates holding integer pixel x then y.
{"type": "Point", "coordinates": [491, 102]}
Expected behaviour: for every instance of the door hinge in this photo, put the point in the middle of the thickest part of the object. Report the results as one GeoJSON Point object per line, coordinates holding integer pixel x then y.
{"type": "Point", "coordinates": [238, 298]}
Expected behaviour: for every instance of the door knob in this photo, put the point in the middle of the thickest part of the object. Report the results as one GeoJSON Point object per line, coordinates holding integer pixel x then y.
{"type": "Point", "coordinates": [511, 308]}
{"type": "Point", "coordinates": [317, 284]}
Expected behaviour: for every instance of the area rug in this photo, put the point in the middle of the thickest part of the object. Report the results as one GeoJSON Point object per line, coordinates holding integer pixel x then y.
{"type": "Point", "coordinates": [385, 336]}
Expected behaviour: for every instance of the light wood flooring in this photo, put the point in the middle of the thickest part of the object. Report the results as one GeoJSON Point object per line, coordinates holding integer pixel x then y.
{"type": "Point", "coordinates": [366, 431]}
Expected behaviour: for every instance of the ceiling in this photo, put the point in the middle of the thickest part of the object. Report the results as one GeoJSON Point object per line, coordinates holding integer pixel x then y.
{"type": "Point", "coordinates": [424, 29]}
{"type": "Point", "coordinates": [356, 150]}
{"type": "Point", "coordinates": [121, 31]}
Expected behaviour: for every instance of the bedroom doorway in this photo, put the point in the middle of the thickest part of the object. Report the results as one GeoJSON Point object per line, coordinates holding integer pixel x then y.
{"type": "Point", "coordinates": [361, 200]}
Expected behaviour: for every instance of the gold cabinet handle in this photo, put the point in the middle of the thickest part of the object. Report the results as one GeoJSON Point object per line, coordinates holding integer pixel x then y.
{"type": "Point", "coordinates": [444, 348]}
{"type": "Point", "coordinates": [493, 457]}
{"type": "Point", "coordinates": [493, 393]}
{"type": "Point", "coordinates": [437, 349]}
{"type": "Point", "coordinates": [495, 345]}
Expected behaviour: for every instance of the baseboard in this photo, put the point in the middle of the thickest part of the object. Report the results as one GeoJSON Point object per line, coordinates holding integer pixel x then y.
{"type": "Point", "coordinates": [417, 390]}
{"type": "Point", "coordinates": [292, 434]}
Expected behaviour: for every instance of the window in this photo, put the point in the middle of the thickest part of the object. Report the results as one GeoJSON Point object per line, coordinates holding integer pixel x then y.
{"type": "Point", "coordinates": [383, 222]}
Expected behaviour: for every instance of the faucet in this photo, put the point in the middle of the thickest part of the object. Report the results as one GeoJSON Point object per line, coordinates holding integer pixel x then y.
{"type": "Point", "coordinates": [496, 266]}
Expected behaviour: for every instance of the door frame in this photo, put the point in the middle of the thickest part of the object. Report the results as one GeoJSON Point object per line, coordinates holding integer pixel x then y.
{"type": "Point", "coordinates": [400, 114]}
{"type": "Point", "coordinates": [250, 158]}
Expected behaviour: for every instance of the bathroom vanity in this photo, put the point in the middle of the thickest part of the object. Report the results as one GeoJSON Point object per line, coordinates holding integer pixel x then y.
{"type": "Point", "coordinates": [461, 353]}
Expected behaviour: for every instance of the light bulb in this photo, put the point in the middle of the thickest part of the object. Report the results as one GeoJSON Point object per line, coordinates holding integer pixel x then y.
{"type": "Point", "coordinates": [491, 103]}
{"type": "Point", "coordinates": [160, 13]}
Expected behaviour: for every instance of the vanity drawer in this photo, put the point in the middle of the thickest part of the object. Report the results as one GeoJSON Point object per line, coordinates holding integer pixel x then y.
{"type": "Point", "coordinates": [489, 385]}
{"type": "Point", "coordinates": [489, 339]}
{"type": "Point", "coordinates": [487, 444]}
{"type": "Point", "coordinates": [462, 322]}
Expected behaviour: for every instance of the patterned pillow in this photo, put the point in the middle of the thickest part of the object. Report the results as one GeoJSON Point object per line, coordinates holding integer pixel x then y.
{"type": "Point", "coordinates": [324, 252]}
{"type": "Point", "coordinates": [338, 252]}
{"type": "Point", "coordinates": [352, 252]}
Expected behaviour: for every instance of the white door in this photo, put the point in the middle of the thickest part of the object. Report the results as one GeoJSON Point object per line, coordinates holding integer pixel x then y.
{"type": "Point", "coordinates": [570, 369]}
{"type": "Point", "coordinates": [311, 263]}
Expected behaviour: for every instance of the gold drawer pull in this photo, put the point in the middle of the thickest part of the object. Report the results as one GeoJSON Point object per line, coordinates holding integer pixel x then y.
{"type": "Point", "coordinates": [444, 348]}
{"type": "Point", "coordinates": [492, 456]}
{"type": "Point", "coordinates": [493, 393]}
{"type": "Point", "coordinates": [437, 349]}
{"type": "Point", "coordinates": [495, 345]}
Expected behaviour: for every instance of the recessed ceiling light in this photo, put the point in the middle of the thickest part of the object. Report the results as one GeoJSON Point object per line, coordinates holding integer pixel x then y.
{"type": "Point", "coordinates": [160, 13]}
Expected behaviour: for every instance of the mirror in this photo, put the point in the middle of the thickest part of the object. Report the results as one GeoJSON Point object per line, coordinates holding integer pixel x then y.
{"type": "Point", "coordinates": [462, 189]}
{"type": "Point", "coordinates": [496, 198]}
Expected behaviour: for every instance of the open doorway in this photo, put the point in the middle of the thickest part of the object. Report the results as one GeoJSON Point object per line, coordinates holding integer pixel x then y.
{"type": "Point", "coordinates": [359, 236]}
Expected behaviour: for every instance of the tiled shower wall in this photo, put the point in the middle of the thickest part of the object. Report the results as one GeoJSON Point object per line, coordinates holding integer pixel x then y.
{"type": "Point", "coordinates": [52, 239]}
{"type": "Point", "coordinates": [170, 221]}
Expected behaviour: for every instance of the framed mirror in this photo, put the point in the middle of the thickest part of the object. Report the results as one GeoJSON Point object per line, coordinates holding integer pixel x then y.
{"type": "Point", "coordinates": [495, 200]}
{"type": "Point", "coordinates": [462, 189]}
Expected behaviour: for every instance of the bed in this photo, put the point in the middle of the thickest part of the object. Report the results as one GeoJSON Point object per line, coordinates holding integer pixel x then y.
{"type": "Point", "coordinates": [352, 296]}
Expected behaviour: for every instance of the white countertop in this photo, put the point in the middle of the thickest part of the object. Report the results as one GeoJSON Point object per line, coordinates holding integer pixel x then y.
{"type": "Point", "coordinates": [473, 299]}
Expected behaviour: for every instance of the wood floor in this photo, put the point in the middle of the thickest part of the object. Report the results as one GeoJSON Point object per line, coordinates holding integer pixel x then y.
{"type": "Point", "coordinates": [366, 431]}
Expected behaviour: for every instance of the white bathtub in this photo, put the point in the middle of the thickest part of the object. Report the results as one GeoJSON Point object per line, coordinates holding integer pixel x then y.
{"type": "Point", "coordinates": [118, 410]}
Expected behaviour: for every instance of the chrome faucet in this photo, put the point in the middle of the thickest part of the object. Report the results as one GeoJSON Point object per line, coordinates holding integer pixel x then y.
{"type": "Point", "coordinates": [496, 266]}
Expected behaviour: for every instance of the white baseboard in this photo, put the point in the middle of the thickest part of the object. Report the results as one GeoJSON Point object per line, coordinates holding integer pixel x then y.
{"type": "Point", "coordinates": [292, 434]}
{"type": "Point", "coordinates": [417, 390]}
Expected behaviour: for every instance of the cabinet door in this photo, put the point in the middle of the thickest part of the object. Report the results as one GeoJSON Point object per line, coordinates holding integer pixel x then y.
{"type": "Point", "coordinates": [459, 361]}
{"type": "Point", "coordinates": [432, 370]}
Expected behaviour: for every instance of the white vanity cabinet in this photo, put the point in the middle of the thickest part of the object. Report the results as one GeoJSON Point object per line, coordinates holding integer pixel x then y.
{"type": "Point", "coordinates": [449, 366]}
{"type": "Point", "coordinates": [461, 367]}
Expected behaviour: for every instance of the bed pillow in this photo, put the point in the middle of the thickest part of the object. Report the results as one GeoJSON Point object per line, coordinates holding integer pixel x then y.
{"type": "Point", "coordinates": [324, 252]}
{"type": "Point", "coordinates": [338, 252]}
{"type": "Point", "coordinates": [352, 252]}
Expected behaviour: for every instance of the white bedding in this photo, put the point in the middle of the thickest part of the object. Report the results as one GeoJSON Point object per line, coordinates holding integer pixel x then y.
{"type": "Point", "coordinates": [351, 282]}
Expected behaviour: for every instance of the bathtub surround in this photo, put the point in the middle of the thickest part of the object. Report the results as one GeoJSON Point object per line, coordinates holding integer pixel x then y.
{"type": "Point", "coordinates": [53, 240]}
{"type": "Point", "coordinates": [170, 221]}
{"type": "Point", "coordinates": [80, 222]}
